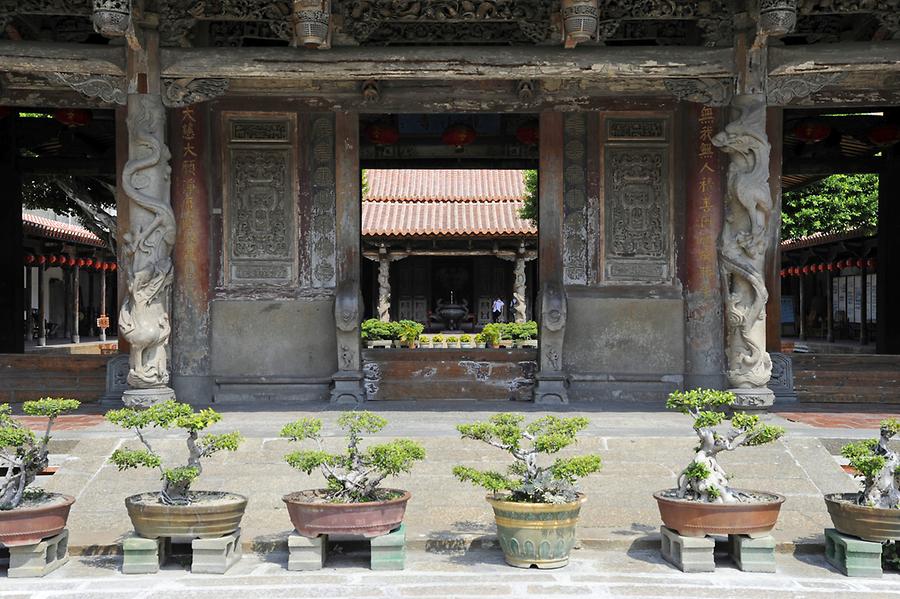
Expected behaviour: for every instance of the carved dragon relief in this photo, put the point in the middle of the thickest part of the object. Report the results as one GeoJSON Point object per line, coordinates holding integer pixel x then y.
{"type": "Point", "coordinates": [147, 246]}
{"type": "Point", "coordinates": [742, 251]}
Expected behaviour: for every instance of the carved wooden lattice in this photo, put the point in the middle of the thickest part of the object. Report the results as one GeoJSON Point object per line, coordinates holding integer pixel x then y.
{"type": "Point", "coordinates": [260, 210]}
{"type": "Point", "coordinates": [637, 246]}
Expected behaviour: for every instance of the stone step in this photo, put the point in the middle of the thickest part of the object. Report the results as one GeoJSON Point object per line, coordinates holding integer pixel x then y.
{"type": "Point", "coordinates": [30, 376]}
{"type": "Point", "coordinates": [837, 396]}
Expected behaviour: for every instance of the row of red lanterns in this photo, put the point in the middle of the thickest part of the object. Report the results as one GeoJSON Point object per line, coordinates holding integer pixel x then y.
{"type": "Point", "coordinates": [811, 131]}
{"type": "Point", "coordinates": [63, 260]}
{"type": "Point", "coordinates": [457, 135]}
{"type": "Point", "coordinates": [796, 271]}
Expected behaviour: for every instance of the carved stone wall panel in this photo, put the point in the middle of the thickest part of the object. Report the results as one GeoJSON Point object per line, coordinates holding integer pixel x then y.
{"type": "Point", "coordinates": [261, 233]}
{"type": "Point", "coordinates": [637, 236]}
{"type": "Point", "coordinates": [575, 204]}
{"type": "Point", "coordinates": [322, 221]}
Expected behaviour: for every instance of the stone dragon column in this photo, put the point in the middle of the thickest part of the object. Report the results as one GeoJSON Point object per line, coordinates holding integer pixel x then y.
{"type": "Point", "coordinates": [146, 252]}
{"type": "Point", "coordinates": [519, 288]}
{"type": "Point", "coordinates": [384, 288]}
{"type": "Point", "coordinates": [742, 250]}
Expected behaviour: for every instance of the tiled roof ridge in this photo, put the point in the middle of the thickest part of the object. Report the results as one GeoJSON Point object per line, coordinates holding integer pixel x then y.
{"type": "Point", "coordinates": [54, 229]}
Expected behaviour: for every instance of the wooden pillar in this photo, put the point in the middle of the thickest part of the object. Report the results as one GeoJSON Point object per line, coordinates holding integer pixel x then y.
{"type": "Point", "coordinates": [863, 306]}
{"type": "Point", "coordinates": [704, 208]}
{"type": "Point", "coordinates": [348, 300]}
{"type": "Point", "coordinates": [12, 296]}
{"type": "Point", "coordinates": [829, 322]}
{"type": "Point", "coordinates": [801, 286]}
{"type": "Point", "coordinates": [76, 298]}
{"type": "Point", "coordinates": [775, 133]}
{"type": "Point", "coordinates": [550, 384]}
{"type": "Point", "coordinates": [189, 140]}
{"type": "Point", "coordinates": [888, 291]}
{"type": "Point", "coordinates": [42, 305]}
{"type": "Point", "coordinates": [102, 304]}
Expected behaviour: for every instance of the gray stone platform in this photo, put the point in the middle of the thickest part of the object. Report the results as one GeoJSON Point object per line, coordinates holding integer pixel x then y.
{"type": "Point", "coordinates": [643, 448]}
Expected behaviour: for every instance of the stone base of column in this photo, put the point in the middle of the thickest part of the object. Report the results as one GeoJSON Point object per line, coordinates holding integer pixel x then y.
{"type": "Point", "coordinates": [760, 399]}
{"type": "Point", "coordinates": [550, 389]}
{"type": "Point", "coordinates": [144, 398]}
{"type": "Point", "coordinates": [348, 388]}
{"type": "Point", "coordinates": [195, 389]}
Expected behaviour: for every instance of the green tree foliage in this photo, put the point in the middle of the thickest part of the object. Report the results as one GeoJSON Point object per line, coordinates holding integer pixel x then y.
{"type": "Point", "coordinates": [878, 466]}
{"type": "Point", "coordinates": [353, 476]}
{"type": "Point", "coordinates": [172, 414]}
{"type": "Point", "coordinates": [23, 453]}
{"type": "Point", "coordinates": [529, 210]}
{"type": "Point", "coordinates": [837, 203]}
{"type": "Point", "coordinates": [526, 479]}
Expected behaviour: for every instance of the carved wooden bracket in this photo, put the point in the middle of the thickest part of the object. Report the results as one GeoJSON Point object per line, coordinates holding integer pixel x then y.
{"type": "Point", "coordinates": [111, 88]}
{"type": "Point", "coordinates": [784, 89]}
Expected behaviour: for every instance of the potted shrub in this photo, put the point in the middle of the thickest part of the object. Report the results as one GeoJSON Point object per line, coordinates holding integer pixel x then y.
{"type": "Point", "coordinates": [874, 513]}
{"type": "Point", "coordinates": [704, 503]}
{"type": "Point", "coordinates": [535, 505]}
{"type": "Point", "coordinates": [525, 334]}
{"type": "Point", "coordinates": [376, 333]}
{"type": "Point", "coordinates": [453, 341]}
{"type": "Point", "coordinates": [438, 340]}
{"type": "Point", "coordinates": [480, 340]}
{"type": "Point", "coordinates": [425, 341]}
{"type": "Point", "coordinates": [396, 330]}
{"type": "Point", "coordinates": [176, 510]}
{"type": "Point", "coordinates": [353, 501]}
{"type": "Point", "coordinates": [409, 332]}
{"type": "Point", "coordinates": [466, 341]}
{"type": "Point", "coordinates": [491, 334]}
{"type": "Point", "coordinates": [29, 515]}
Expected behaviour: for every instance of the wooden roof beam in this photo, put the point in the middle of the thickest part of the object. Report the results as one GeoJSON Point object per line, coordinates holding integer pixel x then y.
{"type": "Point", "coordinates": [50, 57]}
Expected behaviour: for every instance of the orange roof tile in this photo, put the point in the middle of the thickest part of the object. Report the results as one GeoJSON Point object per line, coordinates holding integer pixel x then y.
{"type": "Point", "coordinates": [52, 229]}
{"type": "Point", "coordinates": [450, 202]}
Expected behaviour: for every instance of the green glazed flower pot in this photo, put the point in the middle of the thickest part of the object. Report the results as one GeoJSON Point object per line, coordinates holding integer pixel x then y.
{"type": "Point", "coordinates": [536, 534]}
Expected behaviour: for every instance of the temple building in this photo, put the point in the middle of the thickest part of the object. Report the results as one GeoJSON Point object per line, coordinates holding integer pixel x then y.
{"type": "Point", "coordinates": [244, 134]}
{"type": "Point", "coordinates": [435, 236]}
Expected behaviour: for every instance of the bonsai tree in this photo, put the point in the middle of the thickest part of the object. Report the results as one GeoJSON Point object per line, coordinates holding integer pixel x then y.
{"type": "Point", "coordinates": [23, 453]}
{"type": "Point", "coordinates": [437, 338]}
{"type": "Point", "coordinates": [465, 338]}
{"type": "Point", "coordinates": [878, 466]}
{"type": "Point", "coordinates": [172, 414]}
{"type": "Point", "coordinates": [491, 334]}
{"type": "Point", "coordinates": [410, 331]}
{"type": "Point", "coordinates": [704, 479]}
{"type": "Point", "coordinates": [526, 479]}
{"type": "Point", "coordinates": [353, 475]}
{"type": "Point", "coordinates": [376, 330]}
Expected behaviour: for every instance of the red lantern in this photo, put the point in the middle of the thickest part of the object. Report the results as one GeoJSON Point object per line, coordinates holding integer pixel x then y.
{"type": "Point", "coordinates": [884, 135]}
{"type": "Point", "coordinates": [859, 263]}
{"type": "Point", "coordinates": [42, 260]}
{"type": "Point", "coordinates": [781, 273]}
{"type": "Point", "coordinates": [79, 262]}
{"type": "Point", "coordinates": [795, 270]}
{"type": "Point", "coordinates": [528, 133]}
{"type": "Point", "coordinates": [88, 262]}
{"type": "Point", "coordinates": [820, 268]}
{"type": "Point", "coordinates": [806, 270]}
{"type": "Point", "coordinates": [458, 136]}
{"type": "Point", "coordinates": [382, 134]}
{"type": "Point", "coordinates": [812, 132]}
{"type": "Point", "coordinates": [73, 117]}
{"type": "Point", "coordinates": [871, 264]}
{"type": "Point", "coordinates": [29, 259]}
{"type": "Point", "coordinates": [104, 266]}
{"type": "Point", "coordinates": [113, 266]}
{"type": "Point", "coordinates": [71, 261]}
{"type": "Point", "coordinates": [53, 259]}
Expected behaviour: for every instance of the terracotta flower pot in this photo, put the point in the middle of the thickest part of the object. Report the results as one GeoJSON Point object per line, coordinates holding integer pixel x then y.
{"type": "Point", "coordinates": [536, 534]}
{"type": "Point", "coordinates": [698, 519]}
{"type": "Point", "coordinates": [216, 514]}
{"type": "Point", "coordinates": [869, 523]}
{"type": "Point", "coordinates": [369, 519]}
{"type": "Point", "coordinates": [28, 525]}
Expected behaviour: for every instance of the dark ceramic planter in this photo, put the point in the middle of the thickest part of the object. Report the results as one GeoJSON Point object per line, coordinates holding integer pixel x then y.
{"type": "Point", "coordinates": [369, 519]}
{"type": "Point", "coordinates": [28, 525]}
{"type": "Point", "coordinates": [219, 516]}
{"type": "Point", "coordinates": [869, 523]}
{"type": "Point", "coordinates": [698, 519]}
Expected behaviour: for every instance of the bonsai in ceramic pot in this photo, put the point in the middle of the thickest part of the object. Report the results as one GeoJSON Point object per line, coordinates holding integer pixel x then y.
{"type": "Point", "coordinates": [874, 513]}
{"type": "Point", "coordinates": [376, 333]}
{"type": "Point", "coordinates": [704, 503]}
{"type": "Point", "coordinates": [176, 510]}
{"type": "Point", "coordinates": [353, 501]}
{"type": "Point", "coordinates": [491, 334]}
{"type": "Point", "coordinates": [28, 515]}
{"type": "Point", "coordinates": [536, 505]}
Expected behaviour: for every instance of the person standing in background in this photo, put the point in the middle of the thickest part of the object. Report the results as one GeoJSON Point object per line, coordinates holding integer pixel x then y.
{"type": "Point", "coordinates": [497, 309]}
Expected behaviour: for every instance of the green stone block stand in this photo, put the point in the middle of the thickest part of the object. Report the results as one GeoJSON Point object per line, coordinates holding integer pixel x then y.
{"type": "Point", "coordinates": [851, 555]}
{"type": "Point", "coordinates": [688, 554]}
{"type": "Point", "coordinates": [144, 556]}
{"type": "Point", "coordinates": [752, 555]}
{"type": "Point", "coordinates": [208, 556]}
{"type": "Point", "coordinates": [38, 559]}
{"type": "Point", "coordinates": [388, 552]}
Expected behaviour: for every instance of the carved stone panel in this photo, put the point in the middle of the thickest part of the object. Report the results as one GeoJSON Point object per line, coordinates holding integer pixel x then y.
{"type": "Point", "coordinates": [637, 236]}
{"type": "Point", "coordinates": [575, 200]}
{"type": "Point", "coordinates": [260, 205]}
{"type": "Point", "coordinates": [322, 223]}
